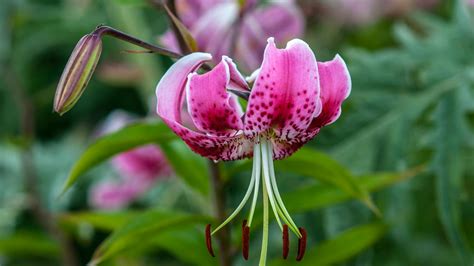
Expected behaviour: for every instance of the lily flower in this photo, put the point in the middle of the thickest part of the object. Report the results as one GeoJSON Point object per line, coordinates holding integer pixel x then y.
{"type": "Point", "coordinates": [213, 24]}
{"type": "Point", "coordinates": [138, 169]}
{"type": "Point", "coordinates": [293, 96]}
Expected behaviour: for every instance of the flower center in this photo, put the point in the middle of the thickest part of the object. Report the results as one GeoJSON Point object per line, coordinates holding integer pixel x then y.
{"type": "Point", "coordinates": [263, 170]}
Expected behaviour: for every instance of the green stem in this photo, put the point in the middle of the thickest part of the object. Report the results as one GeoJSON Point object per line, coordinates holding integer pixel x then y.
{"type": "Point", "coordinates": [263, 253]}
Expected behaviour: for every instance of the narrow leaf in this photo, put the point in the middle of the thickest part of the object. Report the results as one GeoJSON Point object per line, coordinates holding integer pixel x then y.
{"type": "Point", "coordinates": [342, 247]}
{"type": "Point", "coordinates": [125, 139]}
{"type": "Point", "coordinates": [191, 167]}
{"type": "Point", "coordinates": [28, 244]}
{"type": "Point", "coordinates": [183, 32]}
{"type": "Point", "coordinates": [320, 196]}
{"type": "Point", "coordinates": [138, 232]}
{"type": "Point", "coordinates": [177, 242]}
{"type": "Point", "coordinates": [100, 220]}
{"type": "Point", "coordinates": [449, 171]}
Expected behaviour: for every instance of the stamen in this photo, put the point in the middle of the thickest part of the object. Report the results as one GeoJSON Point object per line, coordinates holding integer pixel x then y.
{"type": "Point", "coordinates": [242, 203]}
{"type": "Point", "coordinates": [285, 215]}
{"type": "Point", "coordinates": [301, 244]}
{"type": "Point", "coordinates": [209, 240]}
{"type": "Point", "coordinates": [266, 182]}
{"type": "Point", "coordinates": [245, 240]}
{"type": "Point", "coordinates": [258, 172]}
{"type": "Point", "coordinates": [286, 241]}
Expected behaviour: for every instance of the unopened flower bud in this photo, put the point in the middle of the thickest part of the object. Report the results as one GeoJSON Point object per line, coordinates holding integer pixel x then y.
{"type": "Point", "coordinates": [77, 73]}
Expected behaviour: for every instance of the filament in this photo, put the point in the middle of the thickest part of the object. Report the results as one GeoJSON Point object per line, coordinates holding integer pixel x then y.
{"type": "Point", "coordinates": [242, 203]}
{"type": "Point", "coordinates": [257, 170]}
{"type": "Point", "coordinates": [288, 219]}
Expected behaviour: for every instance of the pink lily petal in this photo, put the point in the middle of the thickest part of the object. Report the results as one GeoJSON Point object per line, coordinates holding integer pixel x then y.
{"type": "Point", "coordinates": [281, 20]}
{"type": "Point", "coordinates": [146, 163]}
{"type": "Point", "coordinates": [168, 40]}
{"type": "Point", "coordinates": [285, 95]}
{"type": "Point", "coordinates": [189, 11]}
{"type": "Point", "coordinates": [212, 108]}
{"type": "Point", "coordinates": [170, 94]}
{"type": "Point", "coordinates": [110, 195]}
{"type": "Point", "coordinates": [237, 81]}
{"type": "Point", "coordinates": [170, 90]}
{"type": "Point", "coordinates": [213, 30]}
{"type": "Point", "coordinates": [283, 149]}
{"type": "Point", "coordinates": [335, 88]}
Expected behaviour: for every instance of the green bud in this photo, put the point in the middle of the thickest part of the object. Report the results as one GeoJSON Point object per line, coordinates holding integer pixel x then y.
{"type": "Point", "coordinates": [78, 72]}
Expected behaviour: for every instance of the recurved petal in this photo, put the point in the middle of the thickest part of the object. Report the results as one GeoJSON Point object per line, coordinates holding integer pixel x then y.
{"type": "Point", "coordinates": [335, 82]}
{"type": "Point", "coordinates": [170, 96]}
{"type": "Point", "coordinates": [285, 95]}
{"type": "Point", "coordinates": [213, 110]}
{"type": "Point", "coordinates": [170, 90]}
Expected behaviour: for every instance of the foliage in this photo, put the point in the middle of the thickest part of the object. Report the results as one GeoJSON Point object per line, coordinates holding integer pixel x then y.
{"type": "Point", "coordinates": [391, 183]}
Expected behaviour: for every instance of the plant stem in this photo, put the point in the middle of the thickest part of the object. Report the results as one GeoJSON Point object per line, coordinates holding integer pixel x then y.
{"type": "Point", "coordinates": [44, 217]}
{"type": "Point", "coordinates": [220, 202]}
{"type": "Point", "coordinates": [106, 30]}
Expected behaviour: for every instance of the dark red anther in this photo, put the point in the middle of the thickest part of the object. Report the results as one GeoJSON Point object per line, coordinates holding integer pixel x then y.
{"type": "Point", "coordinates": [209, 240]}
{"type": "Point", "coordinates": [301, 244]}
{"type": "Point", "coordinates": [245, 240]}
{"type": "Point", "coordinates": [286, 242]}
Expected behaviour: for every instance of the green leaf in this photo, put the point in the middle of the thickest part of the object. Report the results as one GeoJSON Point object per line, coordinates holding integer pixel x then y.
{"type": "Point", "coordinates": [183, 32]}
{"type": "Point", "coordinates": [28, 244]}
{"type": "Point", "coordinates": [138, 232]}
{"type": "Point", "coordinates": [125, 139]}
{"type": "Point", "coordinates": [191, 167]}
{"type": "Point", "coordinates": [320, 196]}
{"type": "Point", "coordinates": [449, 171]}
{"type": "Point", "coordinates": [101, 220]}
{"type": "Point", "coordinates": [189, 238]}
{"type": "Point", "coordinates": [132, 2]}
{"type": "Point", "coordinates": [408, 108]}
{"type": "Point", "coordinates": [342, 247]}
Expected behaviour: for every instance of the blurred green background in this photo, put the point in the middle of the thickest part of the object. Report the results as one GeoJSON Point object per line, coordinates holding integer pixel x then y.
{"type": "Point", "coordinates": [408, 127]}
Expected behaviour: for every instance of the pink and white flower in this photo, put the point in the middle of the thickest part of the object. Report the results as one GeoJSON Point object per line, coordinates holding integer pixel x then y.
{"type": "Point", "coordinates": [213, 22]}
{"type": "Point", "coordinates": [138, 168]}
{"type": "Point", "coordinates": [293, 96]}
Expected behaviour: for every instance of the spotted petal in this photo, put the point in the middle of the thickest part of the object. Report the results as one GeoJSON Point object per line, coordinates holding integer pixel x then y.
{"type": "Point", "coordinates": [335, 83]}
{"type": "Point", "coordinates": [285, 96]}
{"type": "Point", "coordinates": [283, 149]}
{"type": "Point", "coordinates": [213, 110]}
{"type": "Point", "coordinates": [170, 94]}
